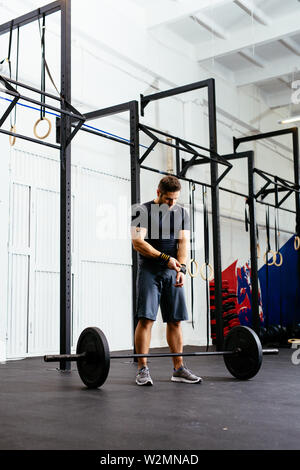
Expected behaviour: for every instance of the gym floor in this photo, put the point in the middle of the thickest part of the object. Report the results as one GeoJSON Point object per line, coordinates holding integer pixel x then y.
{"type": "Point", "coordinates": [42, 408]}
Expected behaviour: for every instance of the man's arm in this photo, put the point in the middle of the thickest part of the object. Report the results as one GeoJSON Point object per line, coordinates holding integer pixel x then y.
{"type": "Point", "coordinates": [183, 246]}
{"type": "Point", "coordinates": [139, 244]}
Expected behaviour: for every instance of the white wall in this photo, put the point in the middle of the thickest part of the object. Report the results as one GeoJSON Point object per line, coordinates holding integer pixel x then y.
{"type": "Point", "coordinates": [114, 59]}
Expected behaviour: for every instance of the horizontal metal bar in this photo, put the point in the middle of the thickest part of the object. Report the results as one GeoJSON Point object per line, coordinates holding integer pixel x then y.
{"type": "Point", "coordinates": [175, 91]}
{"type": "Point", "coordinates": [235, 156]}
{"type": "Point", "coordinates": [150, 355]}
{"type": "Point", "coordinates": [283, 180]}
{"type": "Point", "coordinates": [143, 126]}
{"type": "Point", "coordinates": [171, 174]}
{"type": "Point", "coordinates": [265, 135]}
{"type": "Point", "coordinates": [64, 357]}
{"type": "Point", "coordinates": [44, 105]}
{"type": "Point", "coordinates": [264, 174]}
{"type": "Point", "coordinates": [31, 16]}
{"type": "Point", "coordinates": [30, 139]}
{"type": "Point", "coordinates": [267, 352]}
{"type": "Point", "coordinates": [30, 88]}
{"type": "Point", "coordinates": [105, 136]}
{"type": "Point", "coordinates": [78, 357]}
{"type": "Point", "coordinates": [231, 191]}
{"type": "Point", "coordinates": [187, 354]}
{"type": "Point", "coordinates": [111, 110]}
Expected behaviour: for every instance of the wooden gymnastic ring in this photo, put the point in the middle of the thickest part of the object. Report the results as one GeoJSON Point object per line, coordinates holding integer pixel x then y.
{"type": "Point", "coordinates": [281, 259]}
{"type": "Point", "coordinates": [294, 340]}
{"type": "Point", "coordinates": [297, 243]}
{"type": "Point", "coordinates": [211, 276]}
{"type": "Point", "coordinates": [189, 270]}
{"type": "Point", "coordinates": [12, 138]}
{"type": "Point", "coordinates": [258, 250]}
{"type": "Point", "coordinates": [42, 137]}
{"type": "Point", "coordinates": [274, 257]}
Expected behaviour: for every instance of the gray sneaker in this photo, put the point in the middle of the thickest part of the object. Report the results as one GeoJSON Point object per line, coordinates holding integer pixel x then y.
{"type": "Point", "coordinates": [183, 374]}
{"type": "Point", "coordinates": [143, 376]}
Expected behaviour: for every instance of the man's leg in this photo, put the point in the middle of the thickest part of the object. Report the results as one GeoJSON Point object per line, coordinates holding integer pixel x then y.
{"type": "Point", "coordinates": [175, 341]}
{"type": "Point", "coordinates": [142, 339]}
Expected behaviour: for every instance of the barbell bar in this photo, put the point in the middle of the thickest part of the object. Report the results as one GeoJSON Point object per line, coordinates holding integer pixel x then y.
{"type": "Point", "coordinates": [242, 355]}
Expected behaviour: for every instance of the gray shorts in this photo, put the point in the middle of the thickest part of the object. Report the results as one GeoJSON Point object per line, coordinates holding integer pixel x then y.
{"type": "Point", "coordinates": [155, 287]}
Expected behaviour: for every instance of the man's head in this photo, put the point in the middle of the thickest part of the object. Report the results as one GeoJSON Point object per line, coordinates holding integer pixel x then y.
{"type": "Point", "coordinates": [168, 190]}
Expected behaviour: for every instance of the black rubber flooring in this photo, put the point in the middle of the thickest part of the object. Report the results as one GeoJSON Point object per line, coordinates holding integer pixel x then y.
{"type": "Point", "coordinates": [43, 409]}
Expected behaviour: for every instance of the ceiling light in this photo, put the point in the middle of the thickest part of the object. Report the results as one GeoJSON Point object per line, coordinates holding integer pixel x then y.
{"type": "Point", "coordinates": [289, 120]}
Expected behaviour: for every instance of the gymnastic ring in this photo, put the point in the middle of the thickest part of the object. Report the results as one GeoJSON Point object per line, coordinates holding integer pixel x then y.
{"type": "Point", "coordinates": [42, 137]}
{"type": "Point", "coordinates": [12, 138]}
{"type": "Point", "coordinates": [189, 270]}
{"type": "Point", "coordinates": [274, 257]}
{"type": "Point", "coordinates": [211, 276]}
{"type": "Point", "coordinates": [294, 341]}
{"type": "Point", "coordinates": [297, 243]}
{"type": "Point", "coordinates": [281, 259]}
{"type": "Point", "coordinates": [258, 250]}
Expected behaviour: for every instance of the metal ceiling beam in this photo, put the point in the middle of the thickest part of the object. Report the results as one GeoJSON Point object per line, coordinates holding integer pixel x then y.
{"type": "Point", "coordinates": [282, 28]}
{"type": "Point", "coordinates": [251, 9]}
{"type": "Point", "coordinates": [170, 12]}
{"type": "Point", "coordinates": [209, 25]}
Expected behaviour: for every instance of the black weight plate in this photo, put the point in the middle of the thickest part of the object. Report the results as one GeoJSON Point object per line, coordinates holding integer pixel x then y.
{"type": "Point", "coordinates": [247, 363]}
{"type": "Point", "coordinates": [262, 334]}
{"type": "Point", "coordinates": [273, 333]}
{"type": "Point", "coordinates": [93, 369]}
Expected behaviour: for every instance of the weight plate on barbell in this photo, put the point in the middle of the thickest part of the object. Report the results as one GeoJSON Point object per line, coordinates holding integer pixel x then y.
{"type": "Point", "coordinates": [246, 364]}
{"type": "Point", "coordinates": [93, 369]}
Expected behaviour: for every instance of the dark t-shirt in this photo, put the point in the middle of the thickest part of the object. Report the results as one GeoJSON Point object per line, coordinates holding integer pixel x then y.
{"type": "Point", "coordinates": [163, 225]}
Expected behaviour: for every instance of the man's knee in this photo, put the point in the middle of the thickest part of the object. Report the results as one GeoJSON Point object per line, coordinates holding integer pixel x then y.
{"type": "Point", "coordinates": [146, 323]}
{"type": "Point", "coordinates": [174, 325]}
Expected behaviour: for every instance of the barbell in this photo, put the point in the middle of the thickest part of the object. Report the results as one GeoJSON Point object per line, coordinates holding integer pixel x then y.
{"type": "Point", "coordinates": [242, 356]}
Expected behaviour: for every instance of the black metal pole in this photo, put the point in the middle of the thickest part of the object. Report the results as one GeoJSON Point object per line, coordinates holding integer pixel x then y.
{"type": "Point", "coordinates": [253, 244]}
{"type": "Point", "coordinates": [65, 188]}
{"type": "Point", "coordinates": [215, 214]}
{"type": "Point", "coordinates": [135, 195]}
{"type": "Point", "coordinates": [297, 204]}
{"type": "Point", "coordinates": [296, 176]}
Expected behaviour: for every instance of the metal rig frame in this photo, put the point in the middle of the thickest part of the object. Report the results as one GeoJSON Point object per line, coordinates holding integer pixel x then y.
{"type": "Point", "coordinates": [278, 185]}
{"type": "Point", "coordinates": [70, 118]}
{"type": "Point", "coordinates": [213, 159]}
{"type": "Point", "coordinates": [64, 6]}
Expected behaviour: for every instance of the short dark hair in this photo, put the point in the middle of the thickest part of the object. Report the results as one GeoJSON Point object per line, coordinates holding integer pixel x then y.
{"type": "Point", "coordinates": [169, 184]}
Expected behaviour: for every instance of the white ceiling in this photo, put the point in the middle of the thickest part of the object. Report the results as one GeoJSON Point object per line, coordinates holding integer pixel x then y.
{"type": "Point", "coordinates": [249, 41]}
{"type": "Point", "coordinates": [246, 41]}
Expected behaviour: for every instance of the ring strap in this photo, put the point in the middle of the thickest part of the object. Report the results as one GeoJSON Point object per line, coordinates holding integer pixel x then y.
{"type": "Point", "coordinates": [192, 242]}
{"type": "Point", "coordinates": [206, 259]}
{"type": "Point", "coordinates": [43, 67]}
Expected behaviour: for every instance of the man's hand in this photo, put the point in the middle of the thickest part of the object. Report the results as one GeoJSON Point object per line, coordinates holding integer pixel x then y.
{"type": "Point", "coordinates": [180, 278]}
{"type": "Point", "coordinates": [173, 263]}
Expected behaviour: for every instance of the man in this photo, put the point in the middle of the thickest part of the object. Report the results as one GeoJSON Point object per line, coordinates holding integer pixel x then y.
{"type": "Point", "coordinates": [160, 234]}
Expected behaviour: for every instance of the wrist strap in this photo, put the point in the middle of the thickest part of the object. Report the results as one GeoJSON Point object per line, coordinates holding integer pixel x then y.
{"type": "Point", "coordinates": [183, 269]}
{"type": "Point", "coordinates": [165, 258]}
